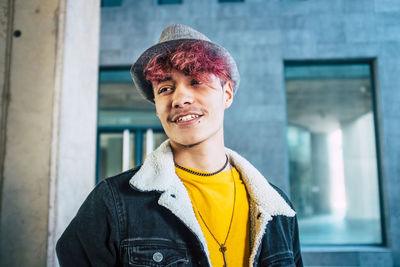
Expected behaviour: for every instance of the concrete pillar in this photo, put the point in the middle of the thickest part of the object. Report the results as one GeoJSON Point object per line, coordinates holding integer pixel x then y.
{"type": "Point", "coordinates": [320, 173]}
{"type": "Point", "coordinates": [49, 67]}
{"type": "Point", "coordinates": [361, 170]}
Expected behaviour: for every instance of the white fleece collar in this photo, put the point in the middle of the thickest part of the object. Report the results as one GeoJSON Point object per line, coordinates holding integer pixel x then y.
{"type": "Point", "coordinates": [158, 174]}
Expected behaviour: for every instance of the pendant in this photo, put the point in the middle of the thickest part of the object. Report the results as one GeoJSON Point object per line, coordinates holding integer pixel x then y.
{"type": "Point", "coordinates": [223, 249]}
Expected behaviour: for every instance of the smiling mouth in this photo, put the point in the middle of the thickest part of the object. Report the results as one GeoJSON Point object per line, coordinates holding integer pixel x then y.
{"type": "Point", "coordinates": [187, 118]}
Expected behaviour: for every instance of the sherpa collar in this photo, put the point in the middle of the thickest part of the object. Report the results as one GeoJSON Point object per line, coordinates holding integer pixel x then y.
{"type": "Point", "coordinates": [158, 174]}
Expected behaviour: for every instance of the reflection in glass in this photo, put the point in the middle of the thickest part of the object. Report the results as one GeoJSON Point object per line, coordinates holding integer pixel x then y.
{"type": "Point", "coordinates": [156, 139]}
{"type": "Point", "coordinates": [332, 153]}
{"type": "Point", "coordinates": [111, 152]}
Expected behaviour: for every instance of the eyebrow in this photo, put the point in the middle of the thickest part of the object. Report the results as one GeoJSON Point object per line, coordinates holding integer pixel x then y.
{"type": "Point", "coordinates": [169, 78]}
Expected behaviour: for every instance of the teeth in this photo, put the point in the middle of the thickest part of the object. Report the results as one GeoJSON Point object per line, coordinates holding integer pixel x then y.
{"type": "Point", "coordinates": [187, 117]}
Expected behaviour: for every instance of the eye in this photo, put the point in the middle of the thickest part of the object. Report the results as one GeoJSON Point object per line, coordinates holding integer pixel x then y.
{"type": "Point", "coordinates": [164, 89]}
{"type": "Point", "coordinates": [195, 82]}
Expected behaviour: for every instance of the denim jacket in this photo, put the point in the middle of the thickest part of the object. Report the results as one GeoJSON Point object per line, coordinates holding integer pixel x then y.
{"type": "Point", "coordinates": [144, 217]}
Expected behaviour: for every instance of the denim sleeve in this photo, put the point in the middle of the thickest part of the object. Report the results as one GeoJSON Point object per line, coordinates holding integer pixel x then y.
{"type": "Point", "coordinates": [295, 230]}
{"type": "Point", "coordinates": [92, 237]}
{"type": "Point", "coordinates": [296, 245]}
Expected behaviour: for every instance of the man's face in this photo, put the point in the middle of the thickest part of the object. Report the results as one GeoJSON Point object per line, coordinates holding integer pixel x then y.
{"type": "Point", "coordinates": [192, 112]}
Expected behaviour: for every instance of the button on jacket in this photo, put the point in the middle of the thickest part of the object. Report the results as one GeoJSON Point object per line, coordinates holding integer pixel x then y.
{"type": "Point", "coordinates": [144, 217]}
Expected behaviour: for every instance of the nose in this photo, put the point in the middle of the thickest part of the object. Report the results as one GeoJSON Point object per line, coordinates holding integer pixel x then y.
{"type": "Point", "coordinates": [182, 97]}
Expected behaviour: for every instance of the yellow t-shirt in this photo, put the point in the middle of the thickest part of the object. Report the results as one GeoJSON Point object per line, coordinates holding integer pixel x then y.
{"type": "Point", "coordinates": [213, 197]}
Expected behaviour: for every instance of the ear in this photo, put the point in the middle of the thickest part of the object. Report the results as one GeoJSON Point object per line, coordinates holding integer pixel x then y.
{"type": "Point", "coordinates": [228, 94]}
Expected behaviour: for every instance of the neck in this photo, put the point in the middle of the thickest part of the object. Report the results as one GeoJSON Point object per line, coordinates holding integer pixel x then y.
{"type": "Point", "coordinates": [205, 156]}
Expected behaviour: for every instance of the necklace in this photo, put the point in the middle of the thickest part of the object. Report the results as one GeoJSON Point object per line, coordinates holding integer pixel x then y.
{"type": "Point", "coordinates": [203, 174]}
{"type": "Point", "coordinates": [222, 246]}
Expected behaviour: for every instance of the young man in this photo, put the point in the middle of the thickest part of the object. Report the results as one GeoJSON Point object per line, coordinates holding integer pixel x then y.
{"type": "Point", "coordinates": [193, 202]}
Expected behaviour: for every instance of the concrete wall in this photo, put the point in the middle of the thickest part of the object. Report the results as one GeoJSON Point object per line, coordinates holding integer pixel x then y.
{"type": "Point", "coordinates": [75, 160]}
{"type": "Point", "coordinates": [24, 211]}
{"type": "Point", "coordinates": [49, 129]}
{"type": "Point", "coordinates": [261, 35]}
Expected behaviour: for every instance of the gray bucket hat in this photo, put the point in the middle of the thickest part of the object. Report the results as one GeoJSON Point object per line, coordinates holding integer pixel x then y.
{"type": "Point", "coordinates": [171, 37]}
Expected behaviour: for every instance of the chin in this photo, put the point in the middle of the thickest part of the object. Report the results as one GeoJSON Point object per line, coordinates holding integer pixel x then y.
{"type": "Point", "coordinates": [187, 142]}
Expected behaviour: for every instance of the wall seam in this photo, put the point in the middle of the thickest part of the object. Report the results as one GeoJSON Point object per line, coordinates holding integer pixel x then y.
{"type": "Point", "coordinates": [6, 97]}
{"type": "Point", "coordinates": [59, 20]}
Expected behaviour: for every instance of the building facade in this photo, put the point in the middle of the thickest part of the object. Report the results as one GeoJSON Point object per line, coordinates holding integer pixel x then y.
{"type": "Point", "coordinates": [316, 111]}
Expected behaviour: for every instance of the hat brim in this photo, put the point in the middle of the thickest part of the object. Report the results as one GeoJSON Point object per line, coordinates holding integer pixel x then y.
{"type": "Point", "coordinates": [145, 87]}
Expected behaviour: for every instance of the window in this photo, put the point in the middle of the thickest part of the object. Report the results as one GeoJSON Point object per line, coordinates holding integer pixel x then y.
{"type": "Point", "coordinates": [110, 3]}
{"type": "Point", "coordinates": [122, 148]}
{"type": "Point", "coordinates": [332, 146]}
{"type": "Point", "coordinates": [169, 2]}
{"type": "Point", "coordinates": [128, 128]}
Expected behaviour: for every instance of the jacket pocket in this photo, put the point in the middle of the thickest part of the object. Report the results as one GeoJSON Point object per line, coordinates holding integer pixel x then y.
{"type": "Point", "coordinates": [284, 259]}
{"type": "Point", "coordinates": [154, 252]}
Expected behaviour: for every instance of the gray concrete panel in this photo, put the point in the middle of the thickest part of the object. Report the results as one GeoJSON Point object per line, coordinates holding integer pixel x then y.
{"type": "Point", "coordinates": [387, 5]}
{"type": "Point", "coordinates": [358, 29]}
{"type": "Point", "coordinates": [359, 6]}
{"type": "Point", "coordinates": [25, 189]}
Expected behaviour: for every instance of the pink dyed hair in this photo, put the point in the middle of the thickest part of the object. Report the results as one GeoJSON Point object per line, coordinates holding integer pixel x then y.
{"type": "Point", "coordinates": [195, 59]}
